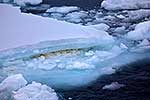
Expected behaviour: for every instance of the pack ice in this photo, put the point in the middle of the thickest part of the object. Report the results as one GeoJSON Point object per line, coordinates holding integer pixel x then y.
{"type": "Point", "coordinates": [57, 53]}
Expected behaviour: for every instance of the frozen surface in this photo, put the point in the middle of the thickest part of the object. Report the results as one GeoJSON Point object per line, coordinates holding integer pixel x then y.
{"type": "Point", "coordinates": [125, 4]}
{"type": "Point", "coordinates": [35, 91]}
{"type": "Point", "coordinates": [24, 2]}
{"type": "Point", "coordinates": [142, 31]}
{"type": "Point", "coordinates": [25, 29]}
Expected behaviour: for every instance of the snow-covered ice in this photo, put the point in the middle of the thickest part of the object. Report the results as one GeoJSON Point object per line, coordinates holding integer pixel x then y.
{"type": "Point", "coordinates": [75, 17]}
{"type": "Point", "coordinates": [63, 9]}
{"type": "Point", "coordinates": [125, 4]}
{"type": "Point", "coordinates": [18, 29]}
{"type": "Point", "coordinates": [10, 84]}
{"type": "Point", "coordinates": [14, 88]}
{"type": "Point", "coordinates": [13, 82]}
{"type": "Point", "coordinates": [100, 26]}
{"type": "Point", "coordinates": [24, 2]}
{"type": "Point", "coordinates": [35, 91]}
{"type": "Point", "coordinates": [142, 31]}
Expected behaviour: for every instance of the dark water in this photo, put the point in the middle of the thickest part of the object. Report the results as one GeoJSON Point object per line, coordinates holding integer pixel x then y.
{"type": "Point", "coordinates": [85, 4]}
{"type": "Point", "coordinates": [135, 76]}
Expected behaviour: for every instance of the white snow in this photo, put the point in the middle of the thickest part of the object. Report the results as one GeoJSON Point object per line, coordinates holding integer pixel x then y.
{"type": "Point", "coordinates": [142, 31]}
{"type": "Point", "coordinates": [14, 88]}
{"type": "Point", "coordinates": [113, 86]}
{"type": "Point", "coordinates": [24, 2]}
{"type": "Point", "coordinates": [63, 9]}
{"type": "Point", "coordinates": [35, 91]}
{"type": "Point", "coordinates": [125, 4]}
{"type": "Point", "coordinates": [12, 83]}
{"type": "Point", "coordinates": [18, 29]}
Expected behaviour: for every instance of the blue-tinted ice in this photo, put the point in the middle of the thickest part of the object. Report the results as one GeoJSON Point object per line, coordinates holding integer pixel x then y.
{"type": "Point", "coordinates": [69, 63]}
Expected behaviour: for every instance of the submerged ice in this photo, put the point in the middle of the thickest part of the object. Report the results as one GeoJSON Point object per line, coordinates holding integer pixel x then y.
{"type": "Point", "coordinates": [67, 68]}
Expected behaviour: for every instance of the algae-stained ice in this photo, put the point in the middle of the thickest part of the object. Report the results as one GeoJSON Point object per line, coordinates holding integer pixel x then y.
{"type": "Point", "coordinates": [60, 50]}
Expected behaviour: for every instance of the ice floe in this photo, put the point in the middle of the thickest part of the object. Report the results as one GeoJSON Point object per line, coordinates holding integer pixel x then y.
{"type": "Point", "coordinates": [15, 87]}
{"type": "Point", "coordinates": [24, 2]}
{"type": "Point", "coordinates": [25, 29]}
{"type": "Point", "coordinates": [142, 31]}
{"type": "Point", "coordinates": [113, 86]}
{"type": "Point", "coordinates": [63, 9]}
{"type": "Point", "coordinates": [125, 4]}
{"type": "Point", "coordinates": [35, 91]}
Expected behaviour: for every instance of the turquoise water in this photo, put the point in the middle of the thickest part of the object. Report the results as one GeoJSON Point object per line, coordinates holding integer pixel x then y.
{"type": "Point", "coordinates": [67, 69]}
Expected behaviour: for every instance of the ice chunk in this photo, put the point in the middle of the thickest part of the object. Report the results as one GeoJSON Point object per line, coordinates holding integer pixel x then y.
{"type": "Point", "coordinates": [63, 9]}
{"type": "Point", "coordinates": [24, 2]}
{"type": "Point", "coordinates": [125, 4]}
{"type": "Point", "coordinates": [142, 31]}
{"type": "Point", "coordinates": [113, 86]}
{"type": "Point", "coordinates": [80, 65]}
{"type": "Point", "coordinates": [75, 16]}
{"type": "Point", "coordinates": [120, 29]}
{"type": "Point", "coordinates": [31, 29]}
{"type": "Point", "coordinates": [101, 26]}
{"type": "Point", "coordinates": [13, 82]}
{"type": "Point", "coordinates": [35, 91]}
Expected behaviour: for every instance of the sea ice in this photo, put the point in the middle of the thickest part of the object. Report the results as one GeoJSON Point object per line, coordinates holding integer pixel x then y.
{"type": "Point", "coordinates": [24, 2]}
{"type": "Point", "coordinates": [35, 91]}
{"type": "Point", "coordinates": [142, 31]}
{"type": "Point", "coordinates": [125, 4]}
{"type": "Point", "coordinates": [25, 29]}
{"type": "Point", "coordinates": [13, 82]}
{"type": "Point", "coordinates": [63, 9]}
{"type": "Point", "coordinates": [113, 86]}
{"type": "Point", "coordinates": [14, 88]}
{"type": "Point", "coordinates": [100, 26]}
